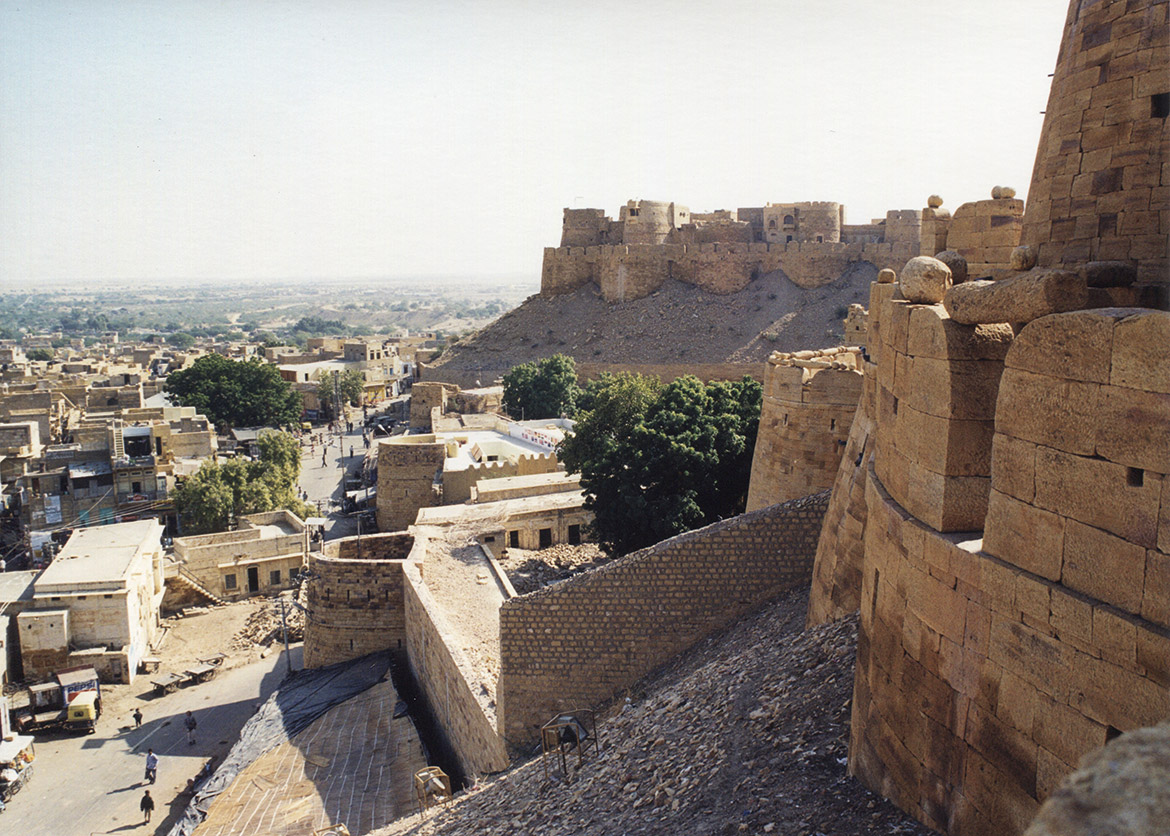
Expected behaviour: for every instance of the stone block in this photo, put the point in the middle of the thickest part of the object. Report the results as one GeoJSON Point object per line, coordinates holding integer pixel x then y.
{"type": "Point", "coordinates": [1013, 467]}
{"type": "Point", "coordinates": [946, 503]}
{"type": "Point", "coordinates": [895, 323]}
{"type": "Point", "coordinates": [1141, 352]}
{"type": "Point", "coordinates": [1017, 703]}
{"type": "Point", "coordinates": [1103, 566]}
{"type": "Point", "coordinates": [963, 389]}
{"type": "Point", "coordinates": [1133, 428]}
{"type": "Point", "coordinates": [1114, 696]}
{"type": "Point", "coordinates": [1001, 773]}
{"type": "Point", "coordinates": [947, 447]}
{"type": "Point", "coordinates": [1033, 656]}
{"type": "Point", "coordinates": [1024, 535]}
{"type": "Point", "coordinates": [939, 606]}
{"type": "Point", "coordinates": [1153, 655]}
{"type": "Point", "coordinates": [976, 628]}
{"type": "Point", "coordinates": [1099, 493]}
{"type": "Point", "coordinates": [1019, 298]}
{"type": "Point", "coordinates": [1115, 636]}
{"type": "Point", "coordinates": [934, 334]}
{"type": "Point", "coordinates": [1074, 345]}
{"type": "Point", "coordinates": [1050, 771]}
{"type": "Point", "coordinates": [1032, 599]}
{"type": "Point", "coordinates": [1051, 411]}
{"type": "Point", "coordinates": [1071, 615]}
{"type": "Point", "coordinates": [1066, 732]}
{"type": "Point", "coordinates": [1156, 592]}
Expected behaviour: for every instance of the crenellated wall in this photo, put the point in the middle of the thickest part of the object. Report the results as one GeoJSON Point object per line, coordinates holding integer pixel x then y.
{"type": "Point", "coordinates": [581, 641]}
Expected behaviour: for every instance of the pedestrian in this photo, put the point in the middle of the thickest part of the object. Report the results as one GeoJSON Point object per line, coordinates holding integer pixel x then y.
{"type": "Point", "coordinates": [137, 715]}
{"type": "Point", "coordinates": [146, 805]}
{"type": "Point", "coordinates": [151, 765]}
{"type": "Point", "coordinates": [189, 722]}
{"type": "Point", "coordinates": [367, 440]}
{"type": "Point", "coordinates": [323, 458]}
{"type": "Point", "coordinates": [351, 451]}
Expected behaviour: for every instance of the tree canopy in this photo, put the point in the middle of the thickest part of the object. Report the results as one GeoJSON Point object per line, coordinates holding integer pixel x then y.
{"type": "Point", "coordinates": [235, 394]}
{"type": "Point", "coordinates": [541, 389]}
{"type": "Point", "coordinates": [350, 387]}
{"type": "Point", "coordinates": [221, 492]}
{"type": "Point", "coordinates": [655, 462]}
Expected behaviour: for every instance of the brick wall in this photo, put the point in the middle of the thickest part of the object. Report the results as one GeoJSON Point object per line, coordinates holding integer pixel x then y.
{"type": "Point", "coordinates": [583, 640]}
{"type": "Point", "coordinates": [438, 664]}
{"type": "Point", "coordinates": [355, 604]}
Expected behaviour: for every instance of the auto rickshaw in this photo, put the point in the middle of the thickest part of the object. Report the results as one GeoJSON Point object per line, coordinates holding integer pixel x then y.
{"type": "Point", "coordinates": [84, 711]}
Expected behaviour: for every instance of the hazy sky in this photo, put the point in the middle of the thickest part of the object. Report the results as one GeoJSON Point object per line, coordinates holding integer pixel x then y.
{"type": "Point", "coordinates": [274, 138]}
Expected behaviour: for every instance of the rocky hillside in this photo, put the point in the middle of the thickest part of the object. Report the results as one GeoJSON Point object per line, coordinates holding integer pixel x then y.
{"type": "Point", "coordinates": [678, 323]}
{"type": "Point", "coordinates": [747, 733]}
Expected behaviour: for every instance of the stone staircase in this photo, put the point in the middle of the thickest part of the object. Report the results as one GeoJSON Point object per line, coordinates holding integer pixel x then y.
{"type": "Point", "coordinates": [183, 578]}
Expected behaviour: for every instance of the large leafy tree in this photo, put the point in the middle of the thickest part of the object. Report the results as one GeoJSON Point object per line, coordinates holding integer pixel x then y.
{"type": "Point", "coordinates": [235, 394]}
{"type": "Point", "coordinates": [653, 468]}
{"type": "Point", "coordinates": [541, 389]}
{"type": "Point", "coordinates": [220, 492]}
{"type": "Point", "coordinates": [350, 388]}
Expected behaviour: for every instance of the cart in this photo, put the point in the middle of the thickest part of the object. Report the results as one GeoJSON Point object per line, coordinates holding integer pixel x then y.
{"type": "Point", "coordinates": [166, 683]}
{"type": "Point", "coordinates": [201, 673]}
{"type": "Point", "coordinates": [215, 660]}
{"type": "Point", "coordinates": [16, 770]}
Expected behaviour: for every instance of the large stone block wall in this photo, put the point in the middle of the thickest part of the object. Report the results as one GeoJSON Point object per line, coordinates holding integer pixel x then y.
{"type": "Point", "coordinates": [804, 426]}
{"type": "Point", "coordinates": [1101, 182]}
{"type": "Point", "coordinates": [581, 641]}
{"type": "Point", "coordinates": [836, 581]}
{"type": "Point", "coordinates": [988, 667]}
{"type": "Point", "coordinates": [443, 672]}
{"type": "Point", "coordinates": [985, 232]}
{"type": "Point", "coordinates": [356, 606]}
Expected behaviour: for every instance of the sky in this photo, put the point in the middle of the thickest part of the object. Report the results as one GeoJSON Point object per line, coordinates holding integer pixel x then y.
{"type": "Point", "coordinates": [288, 139]}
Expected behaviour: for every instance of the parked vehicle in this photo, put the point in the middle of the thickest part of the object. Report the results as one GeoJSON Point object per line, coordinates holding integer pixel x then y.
{"type": "Point", "coordinates": [51, 703]}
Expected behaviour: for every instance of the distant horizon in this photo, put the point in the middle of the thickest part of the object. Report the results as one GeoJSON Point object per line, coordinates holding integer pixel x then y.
{"type": "Point", "coordinates": [326, 141]}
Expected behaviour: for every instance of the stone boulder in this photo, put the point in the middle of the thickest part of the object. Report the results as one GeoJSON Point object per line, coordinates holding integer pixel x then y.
{"type": "Point", "coordinates": [1122, 789]}
{"type": "Point", "coordinates": [1022, 258]}
{"type": "Point", "coordinates": [925, 280]}
{"type": "Point", "coordinates": [956, 262]}
{"type": "Point", "coordinates": [1017, 299]}
{"type": "Point", "coordinates": [1109, 273]}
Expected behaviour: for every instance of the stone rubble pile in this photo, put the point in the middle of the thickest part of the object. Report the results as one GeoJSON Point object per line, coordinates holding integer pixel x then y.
{"type": "Point", "coordinates": [747, 733]}
{"type": "Point", "coordinates": [530, 570]}
{"type": "Point", "coordinates": [263, 627]}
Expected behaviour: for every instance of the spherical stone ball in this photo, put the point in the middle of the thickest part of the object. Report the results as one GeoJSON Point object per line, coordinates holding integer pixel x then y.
{"type": "Point", "coordinates": [934, 201]}
{"type": "Point", "coordinates": [886, 276]}
{"type": "Point", "coordinates": [996, 192]}
{"type": "Point", "coordinates": [956, 262]}
{"type": "Point", "coordinates": [1022, 258]}
{"type": "Point", "coordinates": [925, 280]}
{"type": "Point", "coordinates": [1006, 192]}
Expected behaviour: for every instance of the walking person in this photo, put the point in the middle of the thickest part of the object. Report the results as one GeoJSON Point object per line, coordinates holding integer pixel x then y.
{"type": "Point", "coordinates": [146, 805]}
{"type": "Point", "coordinates": [189, 722]}
{"type": "Point", "coordinates": [151, 765]}
{"type": "Point", "coordinates": [137, 715]}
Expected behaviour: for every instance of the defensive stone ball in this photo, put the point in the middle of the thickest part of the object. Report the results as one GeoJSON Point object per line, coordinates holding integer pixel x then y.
{"type": "Point", "coordinates": [925, 280]}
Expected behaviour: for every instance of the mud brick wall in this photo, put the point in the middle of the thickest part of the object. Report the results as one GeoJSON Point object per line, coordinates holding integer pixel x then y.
{"type": "Point", "coordinates": [355, 607]}
{"type": "Point", "coordinates": [581, 641]}
{"type": "Point", "coordinates": [804, 425]}
{"type": "Point", "coordinates": [987, 668]}
{"type": "Point", "coordinates": [445, 676]}
{"type": "Point", "coordinates": [1101, 182]}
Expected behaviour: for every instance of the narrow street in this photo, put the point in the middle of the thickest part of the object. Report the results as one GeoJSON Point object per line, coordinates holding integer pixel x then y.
{"type": "Point", "coordinates": [323, 470]}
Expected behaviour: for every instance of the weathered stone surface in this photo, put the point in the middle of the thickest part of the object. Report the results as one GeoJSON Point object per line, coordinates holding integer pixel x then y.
{"type": "Point", "coordinates": [925, 280]}
{"type": "Point", "coordinates": [956, 262]}
{"type": "Point", "coordinates": [1141, 351]}
{"type": "Point", "coordinates": [1076, 345]}
{"type": "Point", "coordinates": [1023, 258]}
{"type": "Point", "coordinates": [934, 334]}
{"type": "Point", "coordinates": [934, 201]}
{"type": "Point", "coordinates": [1020, 298]}
{"type": "Point", "coordinates": [1108, 273]}
{"type": "Point", "coordinates": [886, 276]}
{"type": "Point", "coordinates": [1122, 789]}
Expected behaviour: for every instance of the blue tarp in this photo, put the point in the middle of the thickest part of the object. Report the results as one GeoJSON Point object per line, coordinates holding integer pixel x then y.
{"type": "Point", "coordinates": [301, 699]}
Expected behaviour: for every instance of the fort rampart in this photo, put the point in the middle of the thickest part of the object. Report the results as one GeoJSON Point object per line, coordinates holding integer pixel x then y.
{"type": "Point", "coordinates": [582, 641]}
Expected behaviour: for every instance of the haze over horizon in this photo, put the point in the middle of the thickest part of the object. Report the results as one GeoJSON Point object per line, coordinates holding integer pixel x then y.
{"type": "Point", "coordinates": [168, 140]}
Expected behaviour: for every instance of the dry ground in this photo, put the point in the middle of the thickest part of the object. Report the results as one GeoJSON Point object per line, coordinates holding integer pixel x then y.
{"type": "Point", "coordinates": [747, 733]}
{"type": "Point", "coordinates": [530, 570]}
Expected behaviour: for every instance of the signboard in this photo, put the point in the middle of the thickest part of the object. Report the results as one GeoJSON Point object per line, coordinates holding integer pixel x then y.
{"type": "Point", "coordinates": [52, 510]}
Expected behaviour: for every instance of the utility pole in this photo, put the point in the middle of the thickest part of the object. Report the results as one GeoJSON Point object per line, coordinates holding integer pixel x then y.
{"type": "Point", "coordinates": [284, 628]}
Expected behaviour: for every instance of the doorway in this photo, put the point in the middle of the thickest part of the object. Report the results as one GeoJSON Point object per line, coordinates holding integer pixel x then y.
{"type": "Point", "coordinates": [253, 579]}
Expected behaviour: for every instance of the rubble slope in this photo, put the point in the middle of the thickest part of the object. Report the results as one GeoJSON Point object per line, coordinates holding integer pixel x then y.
{"type": "Point", "coordinates": [677, 323]}
{"type": "Point", "coordinates": [746, 733]}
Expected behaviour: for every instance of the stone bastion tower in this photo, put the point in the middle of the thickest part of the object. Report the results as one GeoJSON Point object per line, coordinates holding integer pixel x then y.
{"type": "Point", "coordinates": [1001, 516]}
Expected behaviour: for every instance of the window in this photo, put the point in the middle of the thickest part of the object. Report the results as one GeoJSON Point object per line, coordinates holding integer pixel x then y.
{"type": "Point", "coordinates": [545, 538]}
{"type": "Point", "coordinates": [820, 239]}
{"type": "Point", "coordinates": [788, 240]}
{"type": "Point", "coordinates": [772, 224]}
{"type": "Point", "coordinates": [274, 577]}
{"type": "Point", "coordinates": [574, 535]}
{"type": "Point", "coordinates": [513, 539]}
{"type": "Point", "coordinates": [633, 213]}
{"type": "Point", "coordinates": [789, 220]}
{"type": "Point", "coordinates": [229, 581]}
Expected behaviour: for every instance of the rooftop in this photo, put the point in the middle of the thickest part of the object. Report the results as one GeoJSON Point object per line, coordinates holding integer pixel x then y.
{"type": "Point", "coordinates": [103, 554]}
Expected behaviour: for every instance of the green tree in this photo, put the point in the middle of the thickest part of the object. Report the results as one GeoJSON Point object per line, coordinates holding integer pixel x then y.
{"type": "Point", "coordinates": [181, 340]}
{"type": "Point", "coordinates": [541, 389]}
{"type": "Point", "coordinates": [680, 462]}
{"type": "Point", "coordinates": [220, 492]}
{"type": "Point", "coordinates": [40, 354]}
{"type": "Point", "coordinates": [350, 388]}
{"type": "Point", "coordinates": [235, 394]}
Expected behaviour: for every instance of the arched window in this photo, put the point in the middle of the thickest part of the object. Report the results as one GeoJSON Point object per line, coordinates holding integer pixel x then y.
{"type": "Point", "coordinates": [789, 220]}
{"type": "Point", "coordinates": [772, 224]}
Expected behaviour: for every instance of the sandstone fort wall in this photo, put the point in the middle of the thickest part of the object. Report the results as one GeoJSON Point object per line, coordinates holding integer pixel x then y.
{"type": "Point", "coordinates": [439, 667]}
{"type": "Point", "coordinates": [583, 640]}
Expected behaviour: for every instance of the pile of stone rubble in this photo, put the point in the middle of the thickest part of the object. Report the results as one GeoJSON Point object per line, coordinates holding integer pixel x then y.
{"type": "Point", "coordinates": [263, 627]}
{"type": "Point", "coordinates": [529, 570]}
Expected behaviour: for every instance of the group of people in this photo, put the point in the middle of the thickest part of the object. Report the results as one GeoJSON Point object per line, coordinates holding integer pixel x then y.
{"type": "Point", "coordinates": [146, 804]}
